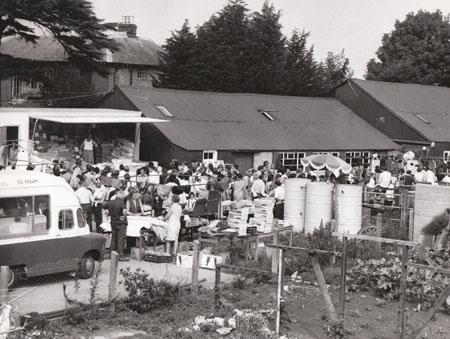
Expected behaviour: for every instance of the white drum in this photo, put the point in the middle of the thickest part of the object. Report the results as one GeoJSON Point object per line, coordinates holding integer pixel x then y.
{"type": "Point", "coordinates": [294, 203]}
{"type": "Point", "coordinates": [348, 208]}
{"type": "Point", "coordinates": [319, 203]}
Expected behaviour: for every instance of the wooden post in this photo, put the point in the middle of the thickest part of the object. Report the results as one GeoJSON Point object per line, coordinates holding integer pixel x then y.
{"type": "Point", "coordinates": [379, 228]}
{"type": "Point", "coordinates": [324, 289]}
{"type": "Point", "coordinates": [404, 214]}
{"type": "Point", "coordinates": [217, 288]}
{"type": "Point", "coordinates": [255, 258]}
{"type": "Point", "coordinates": [402, 306]}
{"type": "Point", "coordinates": [113, 275]}
{"type": "Point", "coordinates": [343, 280]}
{"type": "Point", "coordinates": [4, 274]}
{"type": "Point", "coordinates": [279, 291]}
{"type": "Point", "coordinates": [195, 267]}
{"type": "Point", "coordinates": [275, 242]}
{"type": "Point", "coordinates": [411, 224]}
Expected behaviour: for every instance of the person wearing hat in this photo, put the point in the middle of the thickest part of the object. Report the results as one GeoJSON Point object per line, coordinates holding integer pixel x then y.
{"type": "Point", "coordinates": [173, 218]}
{"type": "Point", "coordinates": [118, 213]}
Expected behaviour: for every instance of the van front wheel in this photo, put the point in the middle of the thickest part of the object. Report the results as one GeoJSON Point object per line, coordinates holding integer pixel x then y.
{"type": "Point", "coordinates": [14, 275]}
{"type": "Point", "coordinates": [87, 266]}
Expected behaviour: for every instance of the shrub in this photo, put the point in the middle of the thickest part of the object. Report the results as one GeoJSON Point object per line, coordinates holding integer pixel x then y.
{"type": "Point", "coordinates": [145, 294]}
{"type": "Point", "coordinates": [384, 275]}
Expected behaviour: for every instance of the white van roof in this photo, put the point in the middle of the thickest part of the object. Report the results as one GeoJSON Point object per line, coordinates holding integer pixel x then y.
{"type": "Point", "coordinates": [18, 178]}
{"type": "Point", "coordinates": [31, 182]}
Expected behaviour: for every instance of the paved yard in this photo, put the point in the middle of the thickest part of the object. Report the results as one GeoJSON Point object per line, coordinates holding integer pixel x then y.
{"type": "Point", "coordinates": [45, 294]}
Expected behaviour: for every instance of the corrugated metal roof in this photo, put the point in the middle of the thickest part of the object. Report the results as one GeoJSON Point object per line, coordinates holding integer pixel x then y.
{"type": "Point", "coordinates": [132, 50]}
{"type": "Point", "coordinates": [425, 108]}
{"type": "Point", "coordinates": [229, 121]}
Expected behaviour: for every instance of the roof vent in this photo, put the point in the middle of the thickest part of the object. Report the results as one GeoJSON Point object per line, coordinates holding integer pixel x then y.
{"type": "Point", "coordinates": [425, 120]}
{"type": "Point", "coordinates": [164, 111]}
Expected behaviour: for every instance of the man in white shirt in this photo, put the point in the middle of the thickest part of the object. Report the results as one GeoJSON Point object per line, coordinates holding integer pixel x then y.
{"type": "Point", "coordinates": [428, 176]}
{"type": "Point", "coordinates": [258, 187]}
{"type": "Point", "coordinates": [278, 194]}
{"type": "Point", "coordinates": [418, 176]}
{"type": "Point", "coordinates": [384, 179]}
{"type": "Point", "coordinates": [87, 147]}
{"type": "Point", "coordinates": [86, 199]}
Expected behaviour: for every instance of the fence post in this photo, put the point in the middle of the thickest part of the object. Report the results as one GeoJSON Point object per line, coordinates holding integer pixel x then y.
{"type": "Point", "coordinates": [4, 273]}
{"type": "Point", "coordinates": [404, 214]}
{"type": "Point", "coordinates": [112, 288]}
{"type": "Point", "coordinates": [279, 291]}
{"type": "Point", "coordinates": [411, 225]}
{"type": "Point", "coordinates": [324, 289]}
{"type": "Point", "coordinates": [402, 310]}
{"type": "Point", "coordinates": [195, 267]}
{"type": "Point", "coordinates": [217, 288]}
{"type": "Point", "coordinates": [379, 228]}
{"type": "Point", "coordinates": [343, 280]}
{"type": "Point", "coordinates": [275, 242]}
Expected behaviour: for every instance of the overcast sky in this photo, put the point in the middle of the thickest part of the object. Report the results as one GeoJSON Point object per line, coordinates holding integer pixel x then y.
{"type": "Point", "coordinates": [354, 25]}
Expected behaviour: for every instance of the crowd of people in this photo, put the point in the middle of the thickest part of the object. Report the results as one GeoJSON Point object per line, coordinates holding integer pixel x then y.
{"type": "Point", "coordinates": [168, 193]}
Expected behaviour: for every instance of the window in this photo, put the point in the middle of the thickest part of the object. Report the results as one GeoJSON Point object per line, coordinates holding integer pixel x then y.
{"type": "Point", "coordinates": [291, 160]}
{"type": "Point", "coordinates": [357, 158]}
{"type": "Point", "coordinates": [21, 88]}
{"type": "Point", "coordinates": [142, 74]}
{"type": "Point", "coordinates": [336, 154]}
{"type": "Point", "coordinates": [164, 111]}
{"type": "Point", "coordinates": [268, 116]}
{"type": "Point", "coordinates": [446, 156]}
{"type": "Point", "coordinates": [65, 219]}
{"type": "Point", "coordinates": [209, 155]}
{"type": "Point", "coordinates": [425, 120]}
{"type": "Point", "coordinates": [25, 215]}
{"type": "Point", "coordinates": [80, 218]}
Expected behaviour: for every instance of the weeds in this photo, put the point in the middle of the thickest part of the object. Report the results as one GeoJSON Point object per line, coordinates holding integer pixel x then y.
{"type": "Point", "coordinates": [145, 294]}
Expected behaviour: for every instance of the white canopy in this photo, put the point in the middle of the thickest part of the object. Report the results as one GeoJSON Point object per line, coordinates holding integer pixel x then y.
{"type": "Point", "coordinates": [93, 119]}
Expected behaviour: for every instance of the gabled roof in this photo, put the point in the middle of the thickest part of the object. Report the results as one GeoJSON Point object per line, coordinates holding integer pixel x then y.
{"type": "Point", "coordinates": [424, 108]}
{"type": "Point", "coordinates": [135, 51]}
{"type": "Point", "coordinates": [230, 121]}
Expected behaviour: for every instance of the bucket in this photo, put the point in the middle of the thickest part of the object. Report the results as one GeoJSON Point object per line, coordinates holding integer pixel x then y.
{"type": "Point", "coordinates": [348, 208]}
{"type": "Point", "coordinates": [294, 203]}
{"type": "Point", "coordinates": [319, 203]}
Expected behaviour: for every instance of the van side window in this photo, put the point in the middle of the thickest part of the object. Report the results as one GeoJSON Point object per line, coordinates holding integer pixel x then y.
{"type": "Point", "coordinates": [65, 219]}
{"type": "Point", "coordinates": [24, 216]}
{"type": "Point", "coordinates": [80, 218]}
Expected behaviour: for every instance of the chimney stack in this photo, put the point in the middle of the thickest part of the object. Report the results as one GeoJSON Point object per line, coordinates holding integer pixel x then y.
{"type": "Point", "coordinates": [127, 25]}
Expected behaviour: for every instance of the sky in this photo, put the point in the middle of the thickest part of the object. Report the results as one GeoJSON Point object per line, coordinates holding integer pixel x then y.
{"type": "Point", "coordinates": [355, 26]}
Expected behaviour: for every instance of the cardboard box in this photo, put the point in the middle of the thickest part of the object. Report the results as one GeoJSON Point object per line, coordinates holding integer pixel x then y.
{"type": "Point", "coordinates": [184, 260]}
{"type": "Point", "coordinates": [209, 260]}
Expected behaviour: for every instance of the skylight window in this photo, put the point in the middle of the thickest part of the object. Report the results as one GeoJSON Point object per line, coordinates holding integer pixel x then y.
{"type": "Point", "coordinates": [425, 120]}
{"type": "Point", "coordinates": [164, 111]}
{"type": "Point", "coordinates": [267, 115]}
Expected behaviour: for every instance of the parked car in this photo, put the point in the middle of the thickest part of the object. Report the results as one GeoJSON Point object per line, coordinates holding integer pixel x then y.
{"type": "Point", "coordinates": [43, 229]}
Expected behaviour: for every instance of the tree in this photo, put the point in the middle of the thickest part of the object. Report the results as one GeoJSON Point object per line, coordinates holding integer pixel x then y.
{"type": "Point", "coordinates": [177, 67]}
{"type": "Point", "coordinates": [223, 57]}
{"type": "Point", "coordinates": [301, 71]}
{"type": "Point", "coordinates": [416, 51]}
{"type": "Point", "coordinates": [334, 71]}
{"type": "Point", "coordinates": [267, 50]}
{"type": "Point", "coordinates": [72, 22]}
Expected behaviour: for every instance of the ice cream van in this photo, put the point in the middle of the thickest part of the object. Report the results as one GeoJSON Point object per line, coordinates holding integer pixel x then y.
{"type": "Point", "coordinates": [43, 229]}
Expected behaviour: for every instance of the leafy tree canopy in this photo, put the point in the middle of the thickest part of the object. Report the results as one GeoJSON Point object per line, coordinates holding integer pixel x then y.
{"type": "Point", "coordinates": [240, 51]}
{"type": "Point", "coordinates": [416, 51]}
{"type": "Point", "coordinates": [72, 22]}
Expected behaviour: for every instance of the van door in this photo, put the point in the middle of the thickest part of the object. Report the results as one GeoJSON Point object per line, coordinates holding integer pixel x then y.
{"type": "Point", "coordinates": [61, 252]}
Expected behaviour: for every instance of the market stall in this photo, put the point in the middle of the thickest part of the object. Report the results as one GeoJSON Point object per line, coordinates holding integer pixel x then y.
{"type": "Point", "coordinates": [57, 133]}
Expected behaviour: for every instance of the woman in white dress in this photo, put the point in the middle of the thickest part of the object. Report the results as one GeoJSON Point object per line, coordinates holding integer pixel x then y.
{"type": "Point", "coordinates": [174, 224]}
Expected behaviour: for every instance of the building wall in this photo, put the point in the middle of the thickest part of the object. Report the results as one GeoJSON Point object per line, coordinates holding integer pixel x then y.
{"type": "Point", "coordinates": [371, 111]}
